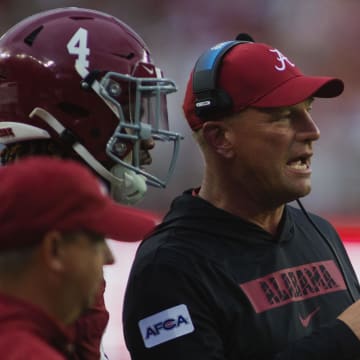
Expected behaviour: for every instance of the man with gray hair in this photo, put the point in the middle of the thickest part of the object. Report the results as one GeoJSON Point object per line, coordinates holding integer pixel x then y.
{"type": "Point", "coordinates": [234, 271]}
{"type": "Point", "coordinates": [54, 218]}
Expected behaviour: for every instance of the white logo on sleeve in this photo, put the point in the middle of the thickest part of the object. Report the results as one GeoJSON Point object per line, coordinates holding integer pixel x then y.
{"type": "Point", "coordinates": [166, 325]}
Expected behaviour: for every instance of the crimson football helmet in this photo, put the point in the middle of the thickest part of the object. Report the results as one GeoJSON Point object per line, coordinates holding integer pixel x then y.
{"type": "Point", "coordinates": [86, 80]}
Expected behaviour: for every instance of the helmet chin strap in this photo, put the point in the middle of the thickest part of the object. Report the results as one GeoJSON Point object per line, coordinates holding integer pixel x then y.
{"type": "Point", "coordinates": [126, 186]}
{"type": "Point", "coordinates": [134, 184]}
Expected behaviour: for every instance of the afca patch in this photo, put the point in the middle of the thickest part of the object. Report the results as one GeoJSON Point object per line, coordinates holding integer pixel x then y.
{"type": "Point", "coordinates": [166, 325]}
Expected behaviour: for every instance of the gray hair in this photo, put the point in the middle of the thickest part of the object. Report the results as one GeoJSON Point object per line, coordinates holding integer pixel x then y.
{"type": "Point", "coordinates": [15, 261]}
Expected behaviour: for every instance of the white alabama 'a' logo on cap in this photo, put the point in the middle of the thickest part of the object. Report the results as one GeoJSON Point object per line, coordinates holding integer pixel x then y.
{"type": "Point", "coordinates": [282, 60]}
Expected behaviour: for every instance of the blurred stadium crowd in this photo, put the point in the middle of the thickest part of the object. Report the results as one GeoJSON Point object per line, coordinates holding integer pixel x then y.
{"type": "Point", "coordinates": [321, 36]}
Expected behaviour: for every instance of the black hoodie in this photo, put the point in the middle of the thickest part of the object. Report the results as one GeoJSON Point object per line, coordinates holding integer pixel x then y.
{"type": "Point", "coordinates": [208, 285]}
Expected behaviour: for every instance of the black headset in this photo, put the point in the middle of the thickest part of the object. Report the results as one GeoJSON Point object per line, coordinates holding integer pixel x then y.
{"type": "Point", "coordinates": [209, 99]}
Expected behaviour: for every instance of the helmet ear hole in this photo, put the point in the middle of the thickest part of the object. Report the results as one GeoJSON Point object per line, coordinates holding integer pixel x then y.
{"type": "Point", "coordinates": [95, 133]}
{"type": "Point", "coordinates": [73, 109]}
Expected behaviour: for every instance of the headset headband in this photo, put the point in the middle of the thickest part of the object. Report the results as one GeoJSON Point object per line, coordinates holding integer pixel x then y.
{"type": "Point", "coordinates": [209, 99]}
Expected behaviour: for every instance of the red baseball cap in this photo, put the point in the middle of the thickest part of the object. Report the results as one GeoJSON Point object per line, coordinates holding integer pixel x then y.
{"type": "Point", "coordinates": [39, 194]}
{"type": "Point", "coordinates": [258, 75]}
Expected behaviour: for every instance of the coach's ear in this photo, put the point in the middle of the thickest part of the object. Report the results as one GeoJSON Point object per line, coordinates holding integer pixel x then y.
{"type": "Point", "coordinates": [217, 136]}
{"type": "Point", "coordinates": [54, 251]}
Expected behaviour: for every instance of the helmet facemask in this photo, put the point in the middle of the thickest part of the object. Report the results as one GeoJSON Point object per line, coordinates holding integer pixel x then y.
{"type": "Point", "coordinates": [144, 119]}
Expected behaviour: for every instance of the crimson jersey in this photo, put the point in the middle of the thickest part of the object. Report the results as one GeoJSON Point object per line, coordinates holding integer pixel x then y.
{"type": "Point", "coordinates": [209, 285]}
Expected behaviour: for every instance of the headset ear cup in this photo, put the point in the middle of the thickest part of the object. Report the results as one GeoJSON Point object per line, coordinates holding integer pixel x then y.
{"type": "Point", "coordinates": [210, 100]}
{"type": "Point", "coordinates": [217, 102]}
{"type": "Point", "coordinates": [224, 101]}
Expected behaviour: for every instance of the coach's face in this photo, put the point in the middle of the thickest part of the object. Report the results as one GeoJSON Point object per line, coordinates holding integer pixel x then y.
{"type": "Point", "coordinates": [272, 152]}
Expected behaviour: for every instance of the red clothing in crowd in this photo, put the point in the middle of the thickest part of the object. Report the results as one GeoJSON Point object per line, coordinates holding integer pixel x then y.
{"type": "Point", "coordinates": [26, 332]}
{"type": "Point", "coordinates": [89, 329]}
